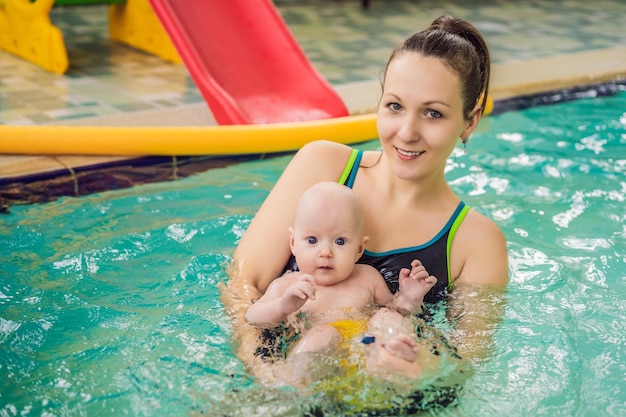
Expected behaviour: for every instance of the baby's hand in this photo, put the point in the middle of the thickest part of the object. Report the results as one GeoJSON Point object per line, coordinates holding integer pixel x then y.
{"type": "Point", "coordinates": [416, 282]}
{"type": "Point", "coordinates": [299, 292]}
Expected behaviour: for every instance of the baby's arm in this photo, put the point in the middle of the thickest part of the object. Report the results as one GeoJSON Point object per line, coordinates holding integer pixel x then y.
{"type": "Point", "coordinates": [414, 284]}
{"type": "Point", "coordinates": [284, 296]}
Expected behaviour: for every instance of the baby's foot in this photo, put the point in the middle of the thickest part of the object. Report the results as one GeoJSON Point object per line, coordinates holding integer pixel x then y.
{"type": "Point", "coordinates": [395, 357]}
{"type": "Point", "coordinates": [401, 346]}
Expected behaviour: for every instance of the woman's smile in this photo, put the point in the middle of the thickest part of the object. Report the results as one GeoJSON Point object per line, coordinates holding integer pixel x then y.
{"type": "Point", "coordinates": [404, 154]}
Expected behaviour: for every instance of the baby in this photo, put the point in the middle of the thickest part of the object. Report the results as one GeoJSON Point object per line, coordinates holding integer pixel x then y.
{"type": "Point", "coordinates": [331, 289]}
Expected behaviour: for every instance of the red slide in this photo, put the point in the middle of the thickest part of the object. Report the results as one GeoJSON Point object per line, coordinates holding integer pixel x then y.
{"type": "Point", "coordinates": [246, 62]}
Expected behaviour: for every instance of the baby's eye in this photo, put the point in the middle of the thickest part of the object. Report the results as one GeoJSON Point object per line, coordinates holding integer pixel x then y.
{"type": "Point", "coordinates": [340, 241]}
{"type": "Point", "coordinates": [433, 114]}
{"type": "Point", "coordinates": [312, 240]}
{"type": "Point", "coordinates": [394, 107]}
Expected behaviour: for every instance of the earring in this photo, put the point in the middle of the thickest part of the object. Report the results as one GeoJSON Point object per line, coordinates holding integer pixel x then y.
{"type": "Point", "coordinates": [464, 140]}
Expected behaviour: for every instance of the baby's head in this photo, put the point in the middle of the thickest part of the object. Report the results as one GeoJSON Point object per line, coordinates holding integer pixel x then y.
{"type": "Point", "coordinates": [330, 200]}
{"type": "Point", "coordinates": [327, 235]}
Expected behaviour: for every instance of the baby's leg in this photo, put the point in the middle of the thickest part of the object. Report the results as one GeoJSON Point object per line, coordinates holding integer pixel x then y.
{"type": "Point", "coordinates": [306, 360]}
{"type": "Point", "coordinates": [318, 338]}
{"type": "Point", "coordinates": [386, 323]}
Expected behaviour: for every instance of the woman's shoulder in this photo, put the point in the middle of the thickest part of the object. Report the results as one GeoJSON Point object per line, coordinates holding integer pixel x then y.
{"type": "Point", "coordinates": [323, 158]}
{"type": "Point", "coordinates": [476, 221]}
{"type": "Point", "coordinates": [479, 231]}
{"type": "Point", "coordinates": [324, 149]}
{"type": "Point", "coordinates": [484, 248]}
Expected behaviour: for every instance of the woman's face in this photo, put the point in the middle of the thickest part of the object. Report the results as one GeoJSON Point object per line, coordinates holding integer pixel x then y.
{"type": "Point", "coordinates": [420, 116]}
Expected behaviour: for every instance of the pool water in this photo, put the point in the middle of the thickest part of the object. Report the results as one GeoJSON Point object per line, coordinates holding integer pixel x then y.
{"type": "Point", "coordinates": [109, 303]}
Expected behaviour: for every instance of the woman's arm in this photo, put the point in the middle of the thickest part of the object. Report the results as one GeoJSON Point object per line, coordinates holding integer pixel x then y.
{"type": "Point", "coordinates": [477, 303]}
{"type": "Point", "coordinates": [264, 249]}
{"type": "Point", "coordinates": [477, 312]}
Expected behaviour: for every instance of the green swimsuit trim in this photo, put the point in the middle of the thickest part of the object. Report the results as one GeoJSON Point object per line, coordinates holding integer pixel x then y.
{"type": "Point", "coordinates": [348, 168]}
{"type": "Point", "coordinates": [453, 229]}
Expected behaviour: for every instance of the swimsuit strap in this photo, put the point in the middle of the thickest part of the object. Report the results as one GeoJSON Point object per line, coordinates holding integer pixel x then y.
{"type": "Point", "coordinates": [351, 168]}
{"type": "Point", "coordinates": [457, 218]}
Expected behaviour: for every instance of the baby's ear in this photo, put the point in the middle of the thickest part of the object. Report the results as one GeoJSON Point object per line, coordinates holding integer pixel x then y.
{"type": "Point", "coordinates": [362, 247]}
{"type": "Point", "coordinates": [291, 237]}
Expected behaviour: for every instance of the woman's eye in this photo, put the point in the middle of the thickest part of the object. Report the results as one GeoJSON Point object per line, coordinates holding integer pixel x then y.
{"type": "Point", "coordinates": [394, 107]}
{"type": "Point", "coordinates": [312, 240]}
{"type": "Point", "coordinates": [433, 114]}
{"type": "Point", "coordinates": [340, 241]}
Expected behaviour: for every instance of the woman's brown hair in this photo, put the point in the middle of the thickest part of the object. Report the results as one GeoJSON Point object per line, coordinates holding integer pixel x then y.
{"type": "Point", "coordinates": [461, 47]}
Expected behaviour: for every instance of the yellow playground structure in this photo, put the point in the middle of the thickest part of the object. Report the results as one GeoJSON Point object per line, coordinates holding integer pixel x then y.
{"type": "Point", "coordinates": [26, 30]}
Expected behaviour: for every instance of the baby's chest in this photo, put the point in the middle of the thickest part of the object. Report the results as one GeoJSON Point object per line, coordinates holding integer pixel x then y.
{"type": "Point", "coordinates": [349, 297]}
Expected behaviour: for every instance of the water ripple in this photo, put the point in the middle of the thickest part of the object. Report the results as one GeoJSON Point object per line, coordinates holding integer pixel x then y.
{"type": "Point", "coordinates": [532, 270]}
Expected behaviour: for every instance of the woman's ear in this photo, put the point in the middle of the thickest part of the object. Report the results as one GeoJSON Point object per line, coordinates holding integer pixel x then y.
{"type": "Point", "coordinates": [472, 122]}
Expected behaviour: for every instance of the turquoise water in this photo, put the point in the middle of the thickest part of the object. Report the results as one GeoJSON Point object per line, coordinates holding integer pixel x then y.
{"type": "Point", "coordinates": [109, 303]}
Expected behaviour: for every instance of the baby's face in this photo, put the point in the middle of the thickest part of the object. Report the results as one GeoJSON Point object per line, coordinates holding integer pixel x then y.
{"type": "Point", "coordinates": [327, 244]}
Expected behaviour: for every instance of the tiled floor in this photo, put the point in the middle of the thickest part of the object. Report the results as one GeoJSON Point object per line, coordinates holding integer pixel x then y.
{"type": "Point", "coordinates": [110, 83]}
{"type": "Point", "coordinates": [345, 42]}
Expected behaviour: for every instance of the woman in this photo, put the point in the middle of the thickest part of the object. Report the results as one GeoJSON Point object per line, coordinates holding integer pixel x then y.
{"type": "Point", "coordinates": [434, 91]}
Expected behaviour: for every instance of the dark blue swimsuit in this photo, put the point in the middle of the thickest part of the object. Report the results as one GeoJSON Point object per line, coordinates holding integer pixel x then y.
{"type": "Point", "coordinates": [434, 254]}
